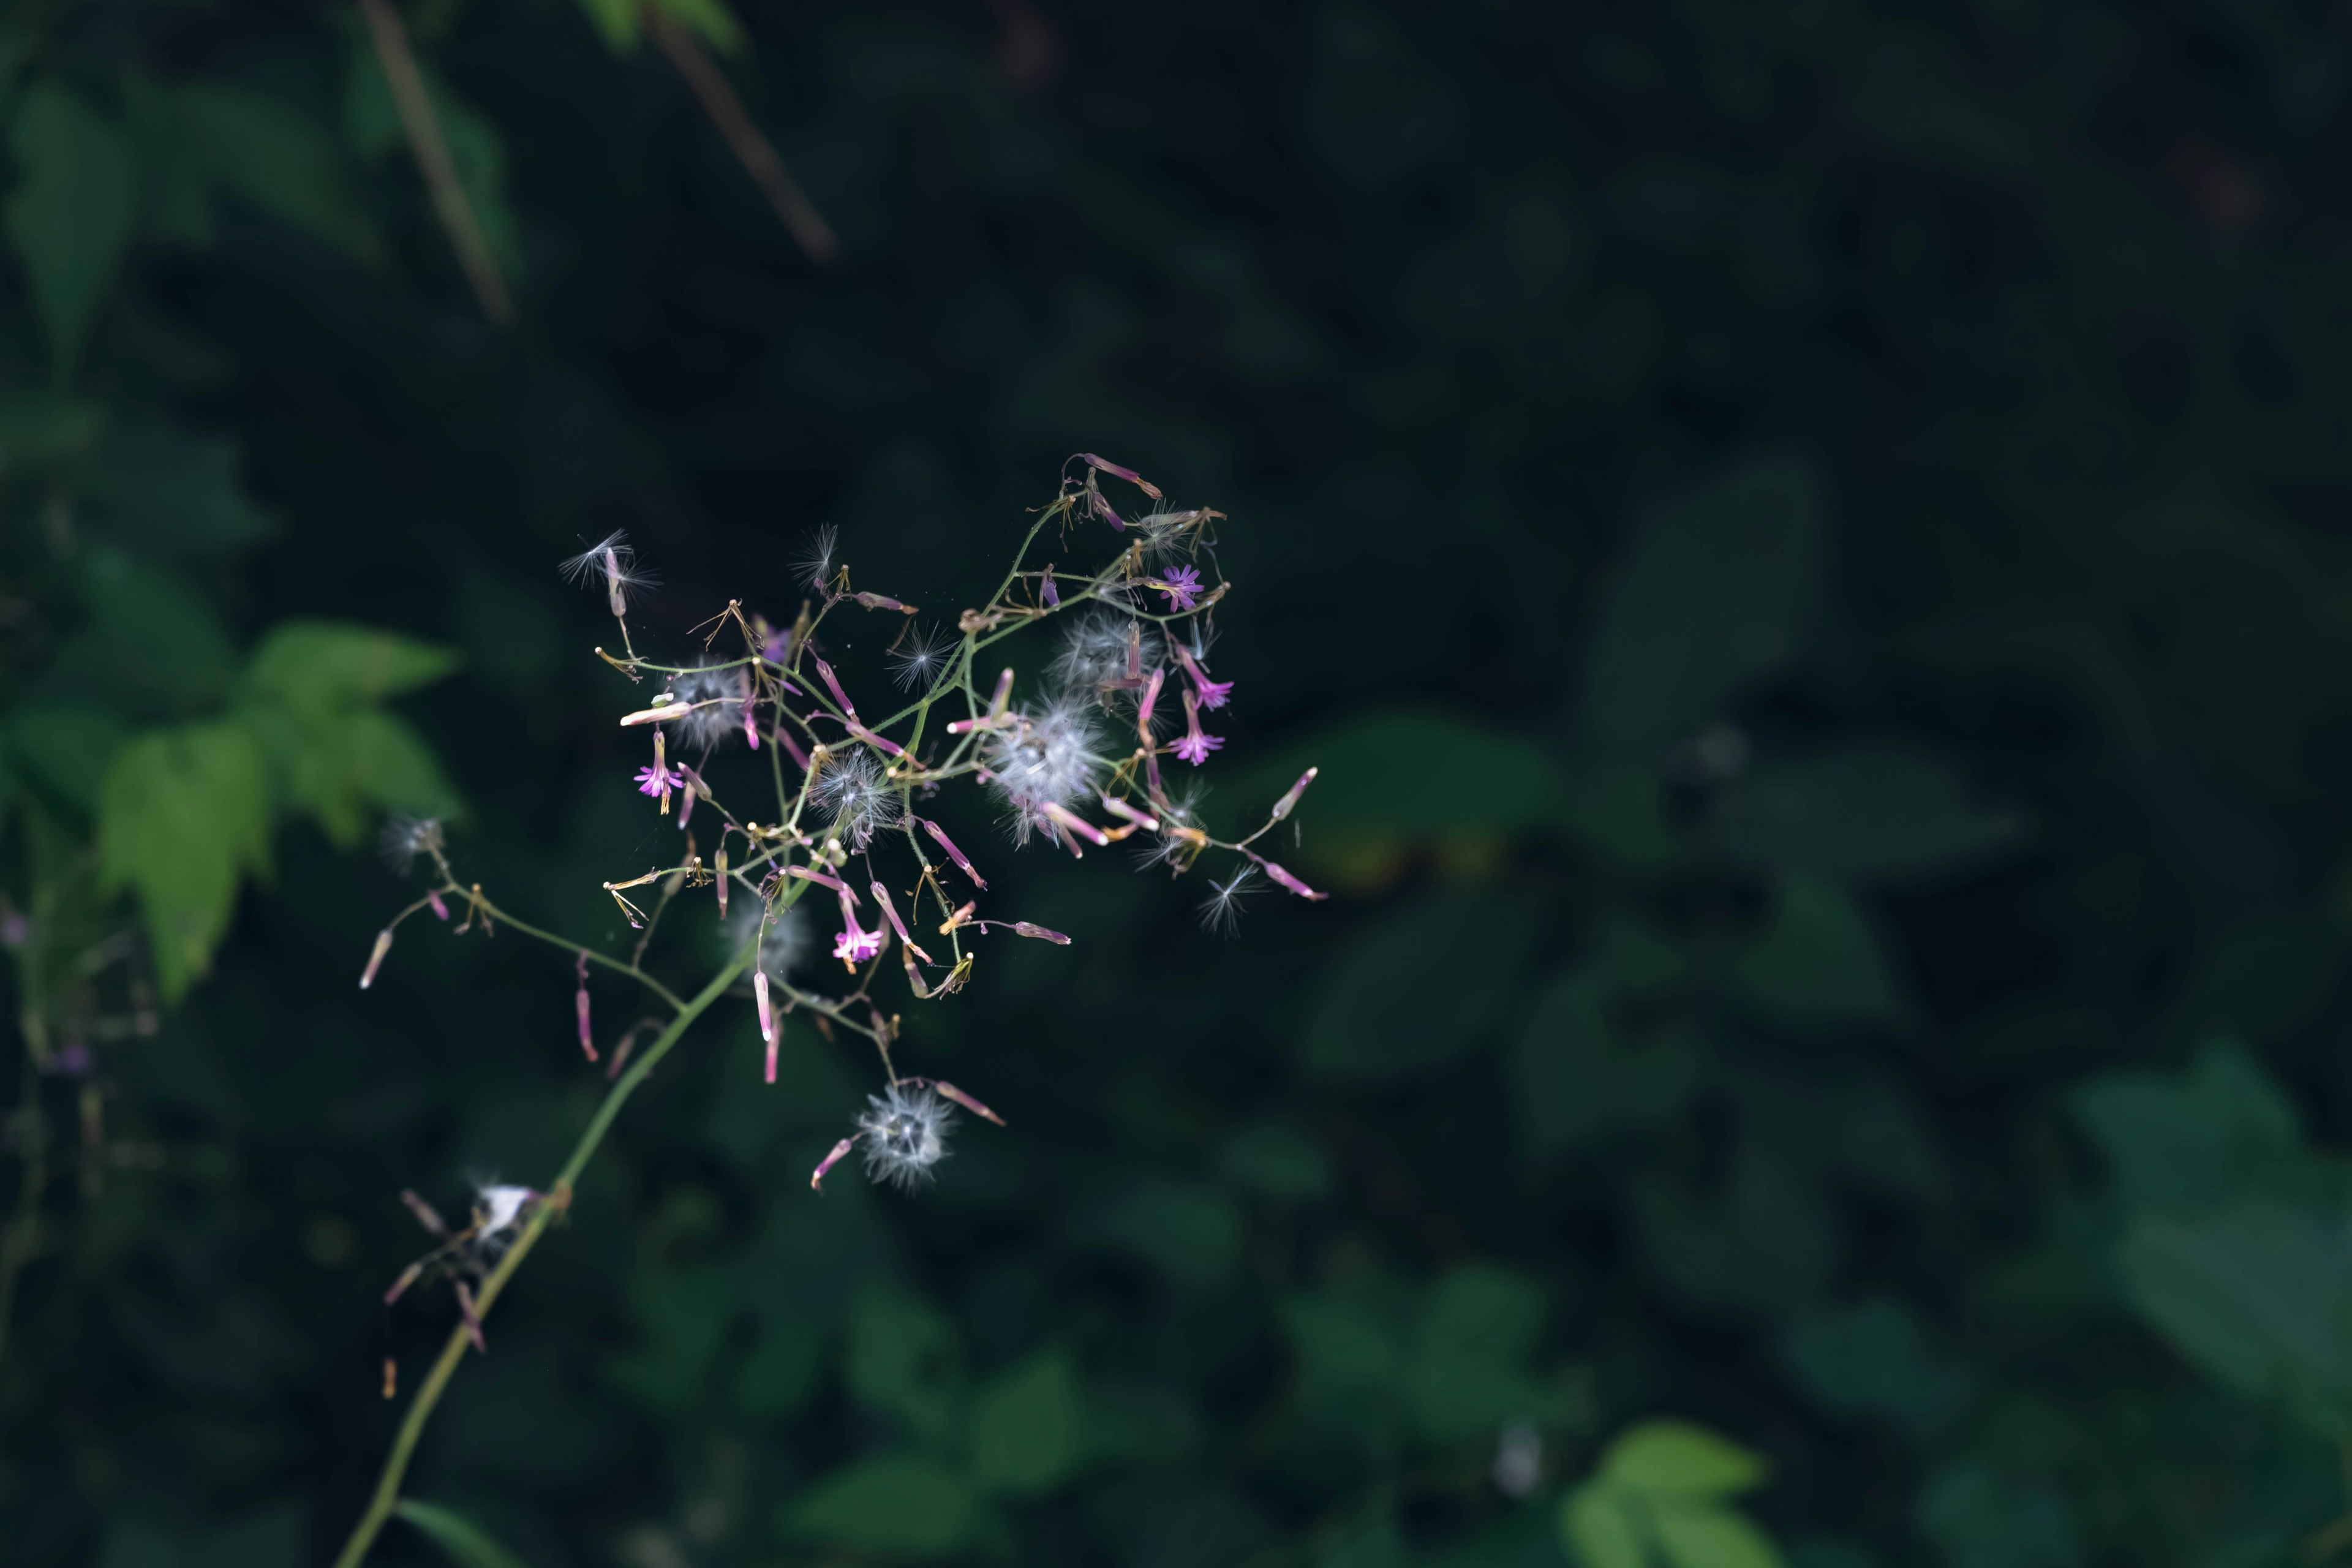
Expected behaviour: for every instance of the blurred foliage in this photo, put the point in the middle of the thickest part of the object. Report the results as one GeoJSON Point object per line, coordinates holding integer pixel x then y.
{"type": "Point", "coordinates": [1803, 539]}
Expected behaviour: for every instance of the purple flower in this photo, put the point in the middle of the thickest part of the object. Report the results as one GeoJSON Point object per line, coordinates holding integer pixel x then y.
{"type": "Point", "coordinates": [1048, 592]}
{"type": "Point", "coordinates": [1195, 747]}
{"type": "Point", "coordinates": [1213, 692]}
{"type": "Point", "coordinates": [659, 780]}
{"type": "Point", "coordinates": [1182, 587]}
{"type": "Point", "coordinates": [856, 946]}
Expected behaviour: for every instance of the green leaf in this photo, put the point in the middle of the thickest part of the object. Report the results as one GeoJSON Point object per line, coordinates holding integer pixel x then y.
{"type": "Point", "coordinates": [1393, 780]}
{"type": "Point", "coordinates": [182, 814]}
{"type": "Point", "coordinates": [1417, 988]}
{"type": "Point", "coordinates": [1817, 963]}
{"type": "Point", "coordinates": [1619, 812]}
{"type": "Point", "coordinates": [1342, 1344]}
{"type": "Point", "coordinates": [1718, 590]}
{"type": "Point", "coordinates": [170, 493]}
{"type": "Point", "coordinates": [152, 643]}
{"type": "Point", "coordinates": [1713, 1538]}
{"type": "Point", "coordinates": [1025, 1436]}
{"type": "Point", "coordinates": [1190, 1231]}
{"type": "Point", "coordinates": [2178, 1140]}
{"type": "Point", "coordinates": [466, 1542]}
{"type": "Point", "coordinates": [267, 153]}
{"type": "Point", "coordinates": [1672, 1460]}
{"type": "Point", "coordinates": [2258, 1295]}
{"type": "Point", "coordinates": [1469, 1373]}
{"type": "Point", "coordinates": [72, 211]}
{"type": "Point", "coordinates": [1577, 1080]}
{"type": "Point", "coordinates": [1859, 815]}
{"type": "Point", "coordinates": [38, 428]}
{"type": "Point", "coordinates": [1598, 1529]}
{"type": "Point", "coordinates": [892, 1502]}
{"type": "Point", "coordinates": [1979, 1518]}
{"type": "Point", "coordinates": [1872, 1359]}
{"type": "Point", "coordinates": [318, 667]}
{"type": "Point", "coordinates": [904, 1361]}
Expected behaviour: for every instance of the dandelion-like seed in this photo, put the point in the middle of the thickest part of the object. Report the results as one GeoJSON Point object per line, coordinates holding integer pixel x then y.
{"type": "Point", "coordinates": [1221, 912]}
{"type": "Point", "coordinates": [920, 657]}
{"type": "Point", "coordinates": [613, 561]}
{"type": "Point", "coordinates": [783, 946]}
{"type": "Point", "coordinates": [406, 838]}
{"type": "Point", "coordinates": [1046, 757]}
{"type": "Point", "coordinates": [814, 564]}
{"type": "Point", "coordinates": [497, 1210]}
{"type": "Point", "coordinates": [1094, 656]}
{"type": "Point", "coordinates": [717, 694]}
{"type": "Point", "coordinates": [905, 1132]}
{"type": "Point", "coordinates": [854, 793]}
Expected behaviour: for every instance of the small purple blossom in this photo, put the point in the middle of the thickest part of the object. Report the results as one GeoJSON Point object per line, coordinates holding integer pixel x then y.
{"type": "Point", "coordinates": [1048, 592]}
{"type": "Point", "coordinates": [1195, 747]}
{"type": "Point", "coordinates": [1182, 587]}
{"type": "Point", "coordinates": [659, 779]}
{"type": "Point", "coordinates": [1213, 693]}
{"type": "Point", "coordinates": [856, 946]}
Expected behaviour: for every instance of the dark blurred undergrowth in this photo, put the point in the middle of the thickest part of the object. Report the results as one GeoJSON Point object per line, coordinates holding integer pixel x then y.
{"type": "Point", "coordinates": [1807, 540]}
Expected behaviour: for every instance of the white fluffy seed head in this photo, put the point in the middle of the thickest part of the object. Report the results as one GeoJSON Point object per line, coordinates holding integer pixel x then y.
{"type": "Point", "coordinates": [611, 563]}
{"type": "Point", "coordinates": [719, 693]}
{"type": "Point", "coordinates": [406, 838]}
{"type": "Point", "coordinates": [1095, 654]}
{"type": "Point", "coordinates": [1046, 756]}
{"type": "Point", "coordinates": [783, 949]}
{"type": "Point", "coordinates": [853, 790]}
{"type": "Point", "coordinates": [498, 1208]}
{"type": "Point", "coordinates": [1221, 910]}
{"type": "Point", "coordinates": [814, 566]}
{"type": "Point", "coordinates": [922, 654]}
{"type": "Point", "coordinates": [905, 1134]}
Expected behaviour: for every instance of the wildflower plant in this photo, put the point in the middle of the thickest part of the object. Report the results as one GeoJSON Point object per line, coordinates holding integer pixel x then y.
{"type": "Point", "coordinates": [1082, 762]}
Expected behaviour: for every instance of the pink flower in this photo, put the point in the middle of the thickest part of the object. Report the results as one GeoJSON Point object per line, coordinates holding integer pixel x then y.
{"type": "Point", "coordinates": [1213, 692]}
{"type": "Point", "coordinates": [1195, 747]}
{"type": "Point", "coordinates": [856, 946]}
{"type": "Point", "coordinates": [1182, 587]}
{"type": "Point", "coordinates": [659, 780]}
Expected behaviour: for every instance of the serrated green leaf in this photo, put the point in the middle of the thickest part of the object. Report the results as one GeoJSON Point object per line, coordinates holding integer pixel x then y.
{"type": "Point", "coordinates": [1719, 590]}
{"type": "Point", "coordinates": [1859, 815]}
{"type": "Point", "coordinates": [1597, 1530]}
{"type": "Point", "coordinates": [1680, 1460]}
{"type": "Point", "coordinates": [892, 1502]}
{"type": "Point", "coordinates": [1712, 1538]}
{"type": "Point", "coordinates": [1818, 963]}
{"type": "Point", "coordinates": [465, 1543]}
{"type": "Point", "coordinates": [318, 667]}
{"type": "Point", "coordinates": [71, 213]}
{"type": "Point", "coordinates": [182, 813]}
{"type": "Point", "coordinates": [1026, 1435]}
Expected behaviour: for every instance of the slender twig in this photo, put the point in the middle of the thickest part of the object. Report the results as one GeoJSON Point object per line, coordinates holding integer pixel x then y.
{"type": "Point", "coordinates": [432, 151]}
{"type": "Point", "coordinates": [752, 148]}
{"type": "Point", "coordinates": [420, 1409]}
{"type": "Point", "coordinates": [22, 1241]}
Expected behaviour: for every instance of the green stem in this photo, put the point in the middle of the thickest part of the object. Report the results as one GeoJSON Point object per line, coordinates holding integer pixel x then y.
{"type": "Point", "coordinates": [549, 937]}
{"type": "Point", "coordinates": [420, 1409]}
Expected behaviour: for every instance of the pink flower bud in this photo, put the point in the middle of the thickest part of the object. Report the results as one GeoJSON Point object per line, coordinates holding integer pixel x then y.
{"type": "Point", "coordinates": [375, 958]}
{"type": "Point", "coordinates": [840, 1152]}
{"type": "Point", "coordinates": [1290, 797]}
{"type": "Point", "coordinates": [439, 908]}
{"type": "Point", "coordinates": [1026, 927]}
{"type": "Point", "coordinates": [767, 1014]}
{"type": "Point", "coordinates": [1118, 807]}
{"type": "Point", "coordinates": [1076, 824]}
{"type": "Point", "coordinates": [580, 1006]}
{"type": "Point", "coordinates": [835, 883]}
{"type": "Point", "coordinates": [662, 714]}
{"type": "Point", "coordinates": [954, 854]}
{"type": "Point", "coordinates": [833, 685]}
{"type": "Point", "coordinates": [1291, 882]}
{"type": "Point", "coordinates": [1046, 591]}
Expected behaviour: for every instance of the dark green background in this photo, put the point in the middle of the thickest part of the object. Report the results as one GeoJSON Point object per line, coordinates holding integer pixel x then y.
{"type": "Point", "coordinates": [1809, 540]}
